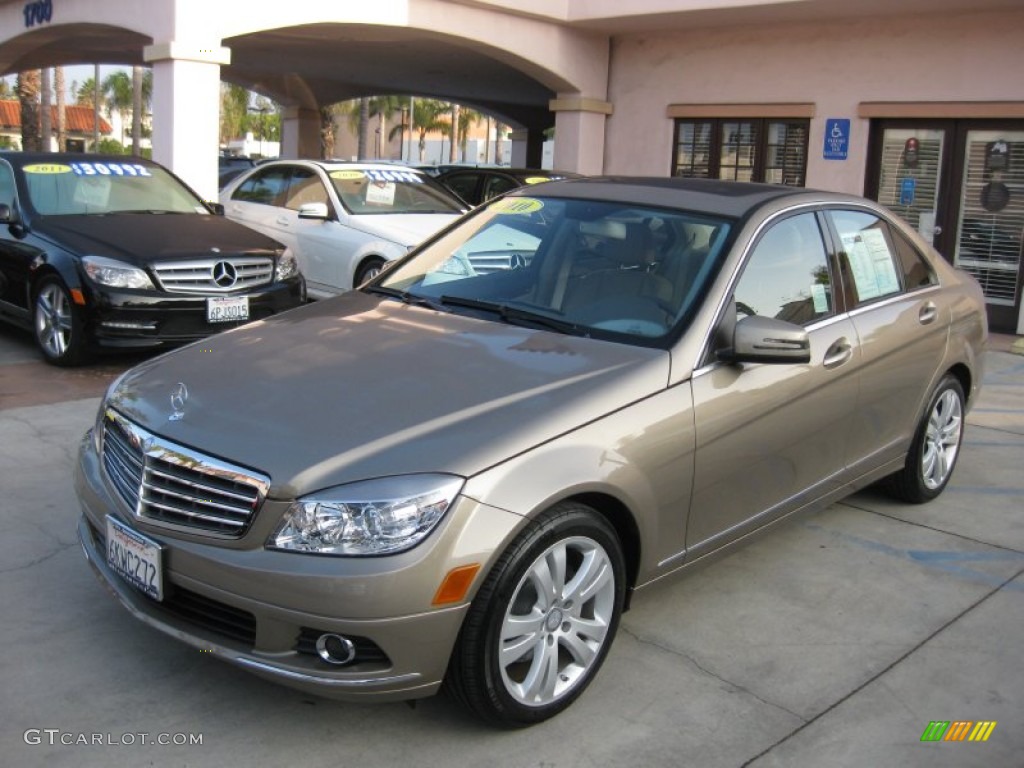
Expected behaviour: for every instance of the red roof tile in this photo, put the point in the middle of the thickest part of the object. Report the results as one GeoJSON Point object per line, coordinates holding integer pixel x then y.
{"type": "Point", "coordinates": [77, 119]}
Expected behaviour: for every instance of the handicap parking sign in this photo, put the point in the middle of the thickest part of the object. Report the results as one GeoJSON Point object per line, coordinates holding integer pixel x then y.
{"type": "Point", "coordinates": [837, 138]}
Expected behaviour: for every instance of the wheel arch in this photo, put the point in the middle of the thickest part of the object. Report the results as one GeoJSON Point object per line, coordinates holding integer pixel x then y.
{"type": "Point", "coordinates": [619, 516]}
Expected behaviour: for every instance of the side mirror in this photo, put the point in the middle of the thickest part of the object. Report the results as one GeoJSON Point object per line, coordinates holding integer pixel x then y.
{"type": "Point", "coordinates": [7, 215]}
{"type": "Point", "coordinates": [758, 339]}
{"type": "Point", "coordinates": [313, 211]}
{"type": "Point", "coordinates": [215, 208]}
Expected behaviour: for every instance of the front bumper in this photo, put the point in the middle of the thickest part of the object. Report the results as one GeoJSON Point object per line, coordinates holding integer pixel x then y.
{"type": "Point", "coordinates": [123, 318]}
{"type": "Point", "coordinates": [232, 599]}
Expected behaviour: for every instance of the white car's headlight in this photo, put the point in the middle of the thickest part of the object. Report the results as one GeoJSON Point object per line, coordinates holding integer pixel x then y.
{"type": "Point", "coordinates": [115, 274]}
{"type": "Point", "coordinates": [286, 266]}
{"type": "Point", "coordinates": [374, 517]}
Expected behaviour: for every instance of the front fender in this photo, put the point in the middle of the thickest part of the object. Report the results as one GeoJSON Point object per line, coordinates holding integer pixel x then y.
{"type": "Point", "coordinates": [642, 456]}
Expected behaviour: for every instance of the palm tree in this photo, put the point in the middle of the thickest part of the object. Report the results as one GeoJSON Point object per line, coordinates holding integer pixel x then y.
{"type": "Point", "coordinates": [85, 93]}
{"type": "Point", "coordinates": [453, 150]}
{"type": "Point", "coordinates": [364, 124]}
{"type": "Point", "coordinates": [383, 107]}
{"type": "Point", "coordinates": [62, 123]}
{"type": "Point", "coordinates": [234, 103]}
{"type": "Point", "coordinates": [467, 119]}
{"type": "Point", "coordinates": [427, 118]}
{"type": "Point", "coordinates": [28, 94]}
{"type": "Point", "coordinates": [117, 87]}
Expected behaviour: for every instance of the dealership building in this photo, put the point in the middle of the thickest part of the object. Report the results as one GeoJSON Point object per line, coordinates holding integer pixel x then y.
{"type": "Point", "coordinates": [916, 103]}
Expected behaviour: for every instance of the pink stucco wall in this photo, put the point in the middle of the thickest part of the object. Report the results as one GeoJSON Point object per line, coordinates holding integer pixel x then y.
{"type": "Point", "coordinates": [833, 64]}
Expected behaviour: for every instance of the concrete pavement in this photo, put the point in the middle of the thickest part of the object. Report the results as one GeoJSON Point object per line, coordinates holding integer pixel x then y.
{"type": "Point", "coordinates": [833, 641]}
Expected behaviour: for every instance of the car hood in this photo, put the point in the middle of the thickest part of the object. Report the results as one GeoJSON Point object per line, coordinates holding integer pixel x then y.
{"type": "Point", "coordinates": [406, 229]}
{"type": "Point", "coordinates": [139, 238]}
{"type": "Point", "coordinates": [361, 386]}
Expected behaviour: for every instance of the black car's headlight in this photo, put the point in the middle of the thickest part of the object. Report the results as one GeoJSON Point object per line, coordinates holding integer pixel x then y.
{"type": "Point", "coordinates": [375, 517]}
{"type": "Point", "coordinates": [286, 266]}
{"type": "Point", "coordinates": [115, 274]}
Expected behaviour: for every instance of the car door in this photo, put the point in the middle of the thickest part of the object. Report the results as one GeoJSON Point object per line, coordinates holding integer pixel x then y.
{"type": "Point", "coordinates": [258, 201]}
{"type": "Point", "coordinates": [465, 184]}
{"type": "Point", "coordinates": [901, 321]}
{"type": "Point", "coordinates": [772, 437]}
{"type": "Point", "coordinates": [15, 255]}
{"type": "Point", "coordinates": [322, 246]}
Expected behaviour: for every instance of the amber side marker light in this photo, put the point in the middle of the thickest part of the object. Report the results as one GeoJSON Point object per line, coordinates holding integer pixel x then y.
{"type": "Point", "coordinates": [455, 584]}
{"type": "Point", "coordinates": [78, 297]}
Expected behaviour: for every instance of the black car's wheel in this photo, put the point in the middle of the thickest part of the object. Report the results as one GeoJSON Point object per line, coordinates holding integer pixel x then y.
{"type": "Point", "coordinates": [369, 268]}
{"type": "Point", "coordinates": [936, 446]}
{"type": "Point", "coordinates": [543, 621]}
{"type": "Point", "coordinates": [58, 324]}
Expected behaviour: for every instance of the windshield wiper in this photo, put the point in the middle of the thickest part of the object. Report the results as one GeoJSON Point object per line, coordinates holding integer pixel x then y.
{"type": "Point", "coordinates": [147, 210]}
{"type": "Point", "coordinates": [404, 296]}
{"type": "Point", "coordinates": [514, 315]}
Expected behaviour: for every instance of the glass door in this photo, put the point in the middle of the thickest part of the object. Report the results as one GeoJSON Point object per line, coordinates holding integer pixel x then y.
{"type": "Point", "coordinates": [911, 170]}
{"type": "Point", "coordinates": [990, 218]}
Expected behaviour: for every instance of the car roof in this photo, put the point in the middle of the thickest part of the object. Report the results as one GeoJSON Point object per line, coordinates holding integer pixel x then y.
{"type": "Point", "coordinates": [735, 199]}
{"type": "Point", "coordinates": [21, 159]}
{"type": "Point", "coordinates": [346, 165]}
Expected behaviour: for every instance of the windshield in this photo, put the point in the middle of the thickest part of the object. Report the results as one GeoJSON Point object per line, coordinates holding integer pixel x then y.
{"type": "Point", "coordinates": [71, 189]}
{"type": "Point", "coordinates": [378, 191]}
{"type": "Point", "coordinates": [585, 267]}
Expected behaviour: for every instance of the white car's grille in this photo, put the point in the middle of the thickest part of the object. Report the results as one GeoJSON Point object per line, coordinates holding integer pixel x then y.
{"type": "Point", "coordinates": [171, 484]}
{"type": "Point", "coordinates": [236, 273]}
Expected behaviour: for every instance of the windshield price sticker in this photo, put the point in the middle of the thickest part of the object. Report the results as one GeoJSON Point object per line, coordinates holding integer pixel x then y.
{"type": "Point", "coordinates": [47, 168]}
{"type": "Point", "coordinates": [347, 175]}
{"type": "Point", "coordinates": [406, 176]}
{"type": "Point", "coordinates": [109, 169]}
{"type": "Point", "coordinates": [135, 558]}
{"type": "Point", "coordinates": [516, 205]}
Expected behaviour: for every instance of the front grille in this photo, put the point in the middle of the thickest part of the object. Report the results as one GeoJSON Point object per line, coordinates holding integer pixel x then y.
{"type": "Point", "coordinates": [212, 615]}
{"type": "Point", "coordinates": [486, 262]}
{"type": "Point", "coordinates": [214, 275]}
{"type": "Point", "coordinates": [169, 483]}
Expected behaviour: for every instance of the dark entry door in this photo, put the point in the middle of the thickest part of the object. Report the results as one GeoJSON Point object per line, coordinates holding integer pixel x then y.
{"type": "Point", "coordinates": [961, 184]}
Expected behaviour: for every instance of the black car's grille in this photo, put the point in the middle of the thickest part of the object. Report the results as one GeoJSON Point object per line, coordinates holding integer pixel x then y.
{"type": "Point", "coordinates": [237, 273]}
{"type": "Point", "coordinates": [168, 483]}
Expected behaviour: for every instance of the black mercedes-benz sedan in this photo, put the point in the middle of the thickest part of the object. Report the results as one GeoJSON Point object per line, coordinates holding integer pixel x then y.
{"type": "Point", "coordinates": [109, 251]}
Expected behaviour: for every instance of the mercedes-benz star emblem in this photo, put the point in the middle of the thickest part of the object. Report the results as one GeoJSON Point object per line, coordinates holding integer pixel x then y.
{"type": "Point", "coordinates": [224, 274]}
{"type": "Point", "coordinates": [516, 261]}
{"type": "Point", "coordinates": [179, 396]}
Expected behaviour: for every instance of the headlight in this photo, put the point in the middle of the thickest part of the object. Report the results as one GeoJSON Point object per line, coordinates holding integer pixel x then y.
{"type": "Point", "coordinates": [115, 274]}
{"type": "Point", "coordinates": [375, 517]}
{"type": "Point", "coordinates": [286, 266]}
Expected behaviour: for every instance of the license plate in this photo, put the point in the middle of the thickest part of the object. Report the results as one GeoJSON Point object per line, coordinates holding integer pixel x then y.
{"type": "Point", "coordinates": [226, 309]}
{"type": "Point", "coordinates": [135, 558]}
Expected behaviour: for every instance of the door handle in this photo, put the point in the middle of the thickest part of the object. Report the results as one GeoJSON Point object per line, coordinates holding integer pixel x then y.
{"type": "Point", "coordinates": [928, 313]}
{"type": "Point", "coordinates": [840, 351]}
{"type": "Point", "coordinates": [282, 220]}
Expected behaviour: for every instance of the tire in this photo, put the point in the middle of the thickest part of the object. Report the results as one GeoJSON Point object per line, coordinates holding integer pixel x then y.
{"type": "Point", "coordinates": [58, 325]}
{"type": "Point", "coordinates": [369, 268]}
{"type": "Point", "coordinates": [936, 446]}
{"type": "Point", "coordinates": [528, 646]}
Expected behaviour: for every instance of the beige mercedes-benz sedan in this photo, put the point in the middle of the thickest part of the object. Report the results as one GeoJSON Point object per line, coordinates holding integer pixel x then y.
{"type": "Point", "coordinates": [459, 477]}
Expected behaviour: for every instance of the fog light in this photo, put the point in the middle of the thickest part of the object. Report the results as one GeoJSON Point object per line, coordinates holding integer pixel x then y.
{"type": "Point", "coordinates": [335, 649]}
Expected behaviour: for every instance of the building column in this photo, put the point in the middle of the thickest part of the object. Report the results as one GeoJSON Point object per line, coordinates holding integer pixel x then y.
{"type": "Point", "coordinates": [527, 148]}
{"type": "Point", "coordinates": [186, 110]}
{"type": "Point", "coordinates": [300, 132]}
{"type": "Point", "coordinates": [579, 133]}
